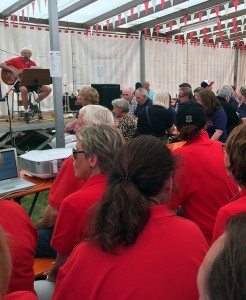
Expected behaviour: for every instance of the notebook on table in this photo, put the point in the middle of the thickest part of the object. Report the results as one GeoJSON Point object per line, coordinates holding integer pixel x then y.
{"type": "Point", "coordinates": [10, 181]}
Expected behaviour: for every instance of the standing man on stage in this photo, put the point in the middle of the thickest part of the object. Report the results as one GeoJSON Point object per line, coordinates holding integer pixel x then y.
{"type": "Point", "coordinates": [15, 66]}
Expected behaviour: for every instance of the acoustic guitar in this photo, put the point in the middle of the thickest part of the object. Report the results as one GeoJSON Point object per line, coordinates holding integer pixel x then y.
{"type": "Point", "coordinates": [8, 77]}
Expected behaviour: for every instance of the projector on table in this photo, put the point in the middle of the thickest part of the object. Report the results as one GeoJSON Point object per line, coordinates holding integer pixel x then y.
{"type": "Point", "coordinates": [44, 163]}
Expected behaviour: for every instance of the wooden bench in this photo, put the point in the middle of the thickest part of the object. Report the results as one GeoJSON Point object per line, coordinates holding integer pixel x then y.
{"type": "Point", "coordinates": [42, 265]}
{"type": "Point", "coordinates": [174, 146]}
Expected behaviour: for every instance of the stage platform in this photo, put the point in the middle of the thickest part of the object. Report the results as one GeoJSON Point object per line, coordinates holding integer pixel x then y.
{"type": "Point", "coordinates": [37, 134]}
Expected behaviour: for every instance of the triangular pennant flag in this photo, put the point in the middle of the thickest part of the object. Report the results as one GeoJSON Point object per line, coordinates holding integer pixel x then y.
{"type": "Point", "coordinates": [113, 21]}
{"type": "Point", "coordinates": [217, 10]}
{"type": "Point", "coordinates": [173, 38]}
{"type": "Point", "coordinates": [126, 15]}
{"type": "Point", "coordinates": [33, 7]}
{"type": "Point", "coordinates": [231, 44]}
{"type": "Point", "coordinates": [13, 19]}
{"type": "Point", "coordinates": [139, 9]}
{"type": "Point", "coordinates": [154, 4]}
{"type": "Point", "coordinates": [191, 34]}
{"type": "Point", "coordinates": [235, 3]}
{"type": "Point", "coordinates": [162, 4]}
{"type": "Point", "coordinates": [45, 2]}
{"type": "Point", "coordinates": [214, 38]}
{"type": "Point", "coordinates": [107, 24]}
{"type": "Point", "coordinates": [164, 28]}
{"type": "Point", "coordinates": [244, 40]}
{"type": "Point", "coordinates": [238, 43]}
{"type": "Point", "coordinates": [157, 29]}
{"type": "Point", "coordinates": [235, 29]}
{"type": "Point", "coordinates": [212, 28]}
{"type": "Point", "coordinates": [201, 41]}
{"type": "Point", "coordinates": [185, 36]}
{"type": "Point", "coordinates": [221, 35]}
{"type": "Point", "coordinates": [91, 29]}
{"type": "Point", "coordinates": [119, 19]}
{"type": "Point", "coordinates": [226, 44]}
{"type": "Point", "coordinates": [185, 19]}
{"type": "Point", "coordinates": [195, 42]}
{"type": "Point", "coordinates": [18, 17]}
{"type": "Point", "coordinates": [192, 18]}
{"type": "Point", "coordinates": [198, 32]}
{"type": "Point", "coordinates": [27, 10]}
{"type": "Point", "coordinates": [219, 25]}
{"type": "Point", "coordinates": [9, 20]}
{"type": "Point", "coordinates": [228, 33]}
{"type": "Point", "coordinates": [23, 15]}
{"type": "Point", "coordinates": [204, 31]}
{"type": "Point", "coordinates": [234, 22]}
{"type": "Point", "coordinates": [151, 31]}
{"type": "Point", "coordinates": [96, 28]}
{"type": "Point", "coordinates": [139, 34]}
{"type": "Point", "coordinates": [219, 44]}
{"type": "Point", "coordinates": [183, 43]}
{"type": "Point", "coordinates": [226, 23]}
{"type": "Point", "coordinates": [171, 25]}
{"type": "Point", "coordinates": [242, 28]}
{"type": "Point", "coordinates": [167, 39]}
{"type": "Point", "coordinates": [214, 45]}
{"type": "Point", "coordinates": [145, 32]}
{"type": "Point", "coordinates": [132, 11]}
{"type": "Point", "coordinates": [242, 47]}
{"type": "Point", "coordinates": [86, 31]}
{"type": "Point", "coordinates": [146, 5]}
{"type": "Point", "coordinates": [242, 19]}
{"type": "Point", "coordinates": [226, 6]}
{"type": "Point", "coordinates": [178, 23]}
{"type": "Point", "coordinates": [178, 38]}
{"type": "Point", "coordinates": [101, 25]}
{"type": "Point", "coordinates": [5, 22]}
{"type": "Point", "coordinates": [39, 7]}
{"type": "Point", "coordinates": [207, 38]}
{"type": "Point", "coordinates": [171, 1]}
{"type": "Point", "coordinates": [200, 16]}
{"type": "Point", "coordinates": [208, 13]}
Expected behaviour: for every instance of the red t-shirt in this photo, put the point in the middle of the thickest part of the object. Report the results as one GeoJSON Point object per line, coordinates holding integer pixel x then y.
{"type": "Point", "coordinates": [203, 186]}
{"type": "Point", "coordinates": [22, 238]}
{"type": "Point", "coordinates": [21, 295]}
{"type": "Point", "coordinates": [19, 63]}
{"type": "Point", "coordinates": [162, 264]}
{"type": "Point", "coordinates": [227, 211]}
{"type": "Point", "coordinates": [72, 217]}
{"type": "Point", "coordinates": [65, 184]}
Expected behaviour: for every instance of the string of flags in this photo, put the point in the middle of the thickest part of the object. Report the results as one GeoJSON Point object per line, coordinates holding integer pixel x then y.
{"type": "Point", "coordinates": [200, 36]}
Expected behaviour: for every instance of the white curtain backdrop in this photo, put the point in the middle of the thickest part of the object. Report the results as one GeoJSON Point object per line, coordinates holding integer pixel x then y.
{"type": "Point", "coordinates": [116, 60]}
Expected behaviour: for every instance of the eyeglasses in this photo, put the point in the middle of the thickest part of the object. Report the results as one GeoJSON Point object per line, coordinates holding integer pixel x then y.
{"type": "Point", "coordinates": [76, 152]}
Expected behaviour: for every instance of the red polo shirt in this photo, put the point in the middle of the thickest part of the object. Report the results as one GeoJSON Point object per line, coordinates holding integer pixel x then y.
{"type": "Point", "coordinates": [19, 63]}
{"type": "Point", "coordinates": [72, 217]}
{"type": "Point", "coordinates": [21, 295]}
{"type": "Point", "coordinates": [162, 264]}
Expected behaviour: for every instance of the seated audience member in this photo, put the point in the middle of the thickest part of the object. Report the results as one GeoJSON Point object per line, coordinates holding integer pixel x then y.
{"type": "Point", "coordinates": [92, 160]}
{"type": "Point", "coordinates": [5, 274]}
{"type": "Point", "coordinates": [22, 239]}
{"type": "Point", "coordinates": [196, 92]}
{"type": "Point", "coordinates": [127, 124]}
{"type": "Point", "coordinates": [232, 96]}
{"type": "Point", "coordinates": [216, 118]}
{"type": "Point", "coordinates": [242, 106]}
{"type": "Point", "coordinates": [136, 247]}
{"type": "Point", "coordinates": [146, 86]}
{"type": "Point", "coordinates": [207, 85]}
{"type": "Point", "coordinates": [235, 164]}
{"type": "Point", "coordinates": [66, 182]}
{"type": "Point", "coordinates": [201, 172]}
{"type": "Point", "coordinates": [86, 95]}
{"type": "Point", "coordinates": [142, 99]}
{"type": "Point", "coordinates": [156, 120]}
{"type": "Point", "coordinates": [223, 96]}
{"type": "Point", "coordinates": [222, 273]}
{"type": "Point", "coordinates": [138, 85]}
{"type": "Point", "coordinates": [128, 94]}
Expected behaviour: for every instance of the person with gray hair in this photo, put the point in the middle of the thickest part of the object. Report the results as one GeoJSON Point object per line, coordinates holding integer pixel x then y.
{"type": "Point", "coordinates": [223, 96]}
{"type": "Point", "coordinates": [231, 100]}
{"type": "Point", "coordinates": [89, 115]}
{"type": "Point", "coordinates": [142, 99]}
{"type": "Point", "coordinates": [126, 123]}
{"type": "Point", "coordinates": [13, 68]}
{"type": "Point", "coordinates": [92, 160]}
{"type": "Point", "coordinates": [128, 94]}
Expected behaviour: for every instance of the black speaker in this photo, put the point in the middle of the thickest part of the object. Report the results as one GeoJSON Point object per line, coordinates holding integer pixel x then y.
{"type": "Point", "coordinates": [107, 93]}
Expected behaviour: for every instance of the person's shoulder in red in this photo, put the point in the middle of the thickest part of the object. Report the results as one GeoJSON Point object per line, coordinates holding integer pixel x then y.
{"type": "Point", "coordinates": [21, 295]}
{"type": "Point", "coordinates": [227, 211]}
{"type": "Point", "coordinates": [22, 238]}
{"type": "Point", "coordinates": [65, 184]}
{"type": "Point", "coordinates": [19, 63]}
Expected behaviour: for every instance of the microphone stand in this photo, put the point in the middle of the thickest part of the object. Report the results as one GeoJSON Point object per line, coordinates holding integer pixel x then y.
{"type": "Point", "coordinates": [6, 99]}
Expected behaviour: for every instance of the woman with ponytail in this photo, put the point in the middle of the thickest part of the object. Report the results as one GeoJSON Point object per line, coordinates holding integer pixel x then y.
{"type": "Point", "coordinates": [136, 248]}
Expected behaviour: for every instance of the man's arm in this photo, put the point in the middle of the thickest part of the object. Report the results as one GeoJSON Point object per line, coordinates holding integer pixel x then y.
{"type": "Point", "coordinates": [60, 261]}
{"type": "Point", "coordinates": [48, 219]}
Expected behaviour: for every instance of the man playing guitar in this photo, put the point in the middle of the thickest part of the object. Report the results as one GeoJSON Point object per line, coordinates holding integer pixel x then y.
{"type": "Point", "coordinates": [13, 68]}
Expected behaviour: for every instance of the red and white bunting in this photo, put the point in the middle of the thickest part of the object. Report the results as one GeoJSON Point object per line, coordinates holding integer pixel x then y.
{"type": "Point", "coordinates": [242, 19]}
{"type": "Point", "coordinates": [195, 42]}
{"type": "Point", "coordinates": [139, 34]}
{"type": "Point", "coordinates": [178, 23]}
{"type": "Point", "coordinates": [39, 5]}
{"type": "Point", "coordinates": [244, 40]}
{"type": "Point", "coordinates": [226, 7]}
{"type": "Point", "coordinates": [132, 11]}
{"type": "Point", "coordinates": [164, 28]}
{"type": "Point", "coordinates": [221, 35]}
{"type": "Point", "coordinates": [119, 19]}
{"type": "Point", "coordinates": [173, 38]}
{"type": "Point", "coordinates": [13, 20]}
{"type": "Point", "coordinates": [228, 32]}
{"type": "Point", "coordinates": [33, 8]}
{"type": "Point", "coordinates": [198, 32]}
{"type": "Point", "coordinates": [235, 29]}
{"type": "Point", "coordinates": [219, 25]}
{"type": "Point", "coordinates": [146, 6]}
{"type": "Point", "coordinates": [151, 31]}
{"type": "Point", "coordinates": [157, 29]}
{"type": "Point", "coordinates": [91, 29]}
{"type": "Point", "coordinates": [212, 28]}
{"type": "Point", "coordinates": [45, 2]}
{"type": "Point", "coordinates": [23, 15]}
{"type": "Point", "coordinates": [245, 2]}
{"type": "Point", "coordinates": [113, 21]}
{"type": "Point", "coordinates": [9, 20]}
{"type": "Point", "coordinates": [18, 17]}
{"type": "Point", "coordinates": [226, 44]}
{"type": "Point", "coordinates": [219, 44]}
{"type": "Point", "coordinates": [139, 9]}
{"type": "Point", "coordinates": [191, 35]}
{"type": "Point", "coordinates": [107, 24]}
{"type": "Point", "coordinates": [238, 43]}
{"type": "Point", "coordinates": [145, 33]}
{"type": "Point", "coordinates": [231, 44]}
{"type": "Point", "coordinates": [192, 18]}
{"type": "Point", "coordinates": [242, 28]}
{"type": "Point", "coordinates": [200, 16]}
{"type": "Point", "coordinates": [185, 36]}
{"type": "Point", "coordinates": [171, 1]}
{"type": "Point", "coordinates": [204, 31]}
{"type": "Point", "coordinates": [101, 25]}
{"type": "Point", "coordinates": [96, 28]}
{"type": "Point", "coordinates": [179, 36]}
{"type": "Point", "coordinates": [126, 14]}
{"type": "Point", "coordinates": [235, 3]}
{"type": "Point", "coordinates": [185, 19]}
{"type": "Point", "coordinates": [201, 40]}
{"type": "Point", "coordinates": [171, 25]}
{"type": "Point", "coordinates": [27, 11]}
{"type": "Point", "coordinates": [226, 23]}
{"type": "Point", "coordinates": [217, 10]}
{"type": "Point", "coordinates": [214, 38]}
{"type": "Point", "coordinates": [162, 4]}
{"type": "Point", "coordinates": [154, 4]}
{"type": "Point", "coordinates": [208, 13]}
{"type": "Point", "coordinates": [234, 22]}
